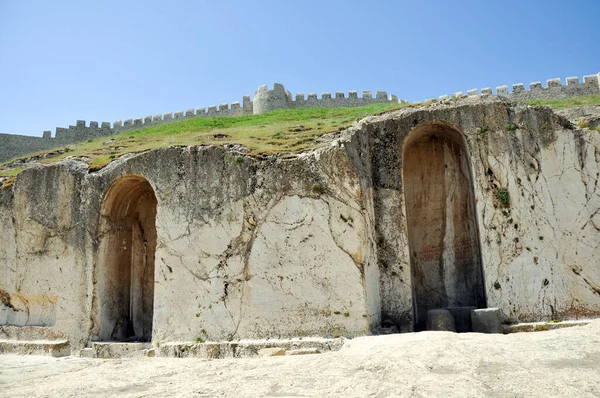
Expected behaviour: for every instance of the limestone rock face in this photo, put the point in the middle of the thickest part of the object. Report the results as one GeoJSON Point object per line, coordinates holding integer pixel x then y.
{"type": "Point", "coordinates": [338, 241]}
{"type": "Point", "coordinates": [586, 116]}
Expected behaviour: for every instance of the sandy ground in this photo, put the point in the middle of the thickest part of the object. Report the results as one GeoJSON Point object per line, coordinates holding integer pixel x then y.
{"type": "Point", "coordinates": [430, 364]}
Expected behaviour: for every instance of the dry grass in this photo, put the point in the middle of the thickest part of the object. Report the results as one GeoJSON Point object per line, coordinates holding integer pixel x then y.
{"type": "Point", "coordinates": [282, 131]}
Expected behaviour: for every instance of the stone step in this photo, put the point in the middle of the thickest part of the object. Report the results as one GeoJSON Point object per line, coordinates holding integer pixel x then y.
{"type": "Point", "coordinates": [29, 333]}
{"type": "Point", "coordinates": [543, 326]}
{"type": "Point", "coordinates": [249, 348]}
{"type": "Point", "coordinates": [54, 348]}
{"type": "Point", "coordinates": [110, 350]}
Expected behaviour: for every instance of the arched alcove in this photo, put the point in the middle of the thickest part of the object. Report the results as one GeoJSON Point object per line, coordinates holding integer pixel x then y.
{"type": "Point", "coordinates": [445, 254]}
{"type": "Point", "coordinates": [126, 260]}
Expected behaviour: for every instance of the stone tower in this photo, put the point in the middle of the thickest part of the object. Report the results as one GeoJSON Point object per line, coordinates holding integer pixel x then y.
{"type": "Point", "coordinates": [266, 100]}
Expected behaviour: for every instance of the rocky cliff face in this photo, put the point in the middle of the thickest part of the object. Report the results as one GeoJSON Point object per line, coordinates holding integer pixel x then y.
{"type": "Point", "coordinates": [507, 214]}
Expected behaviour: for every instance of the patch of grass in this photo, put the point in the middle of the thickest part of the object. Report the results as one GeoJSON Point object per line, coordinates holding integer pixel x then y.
{"type": "Point", "coordinates": [319, 188]}
{"type": "Point", "coordinates": [541, 328]}
{"type": "Point", "coordinates": [510, 127]}
{"type": "Point", "coordinates": [503, 196]}
{"type": "Point", "coordinates": [584, 124]}
{"type": "Point", "coordinates": [280, 131]}
{"type": "Point", "coordinates": [567, 102]}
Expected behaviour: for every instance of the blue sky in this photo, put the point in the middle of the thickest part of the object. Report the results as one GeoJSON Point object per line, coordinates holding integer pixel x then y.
{"type": "Point", "coordinates": [109, 60]}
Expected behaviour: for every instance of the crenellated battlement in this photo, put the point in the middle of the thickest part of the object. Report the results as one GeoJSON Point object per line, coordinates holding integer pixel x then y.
{"type": "Point", "coordinates": [554, 89]}
{"type": "Point", "coordinates": [278, 97]}
{"type": "Point", "coordinates": [267, 100]}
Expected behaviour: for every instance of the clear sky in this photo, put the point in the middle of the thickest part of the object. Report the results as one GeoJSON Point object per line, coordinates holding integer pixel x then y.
{"type": "Point", "coordinates": [113, 60]}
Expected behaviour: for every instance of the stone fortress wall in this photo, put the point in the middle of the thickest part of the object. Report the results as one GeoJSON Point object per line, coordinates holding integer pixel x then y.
{"type": "Point", "coordinates": [554, 89]}
{"type": "Point", "coordinates": [266, 100]}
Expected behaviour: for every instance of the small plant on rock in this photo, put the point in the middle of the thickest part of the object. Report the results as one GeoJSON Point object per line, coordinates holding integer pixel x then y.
{"type": "Point", "coordinates": [319, 188]}
{"type": "Point", "coordinates": [583, 124]}
{"type": "Point", "coordinates": [503, 196]}
{"type": "Point", "coordinates": [511, 127]}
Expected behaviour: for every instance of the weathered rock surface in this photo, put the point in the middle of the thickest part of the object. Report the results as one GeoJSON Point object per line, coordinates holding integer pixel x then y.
{"type": "Point", "coordinates": [318, 245]}
{"type": "Point", "coordinates": [583, 115]}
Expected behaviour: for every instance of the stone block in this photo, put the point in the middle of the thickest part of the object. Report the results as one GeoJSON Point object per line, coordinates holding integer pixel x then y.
{"type": "Point", "coordinates": [147, 119]}
{"type": "Point", "coordinates": [486, 91]}
{"type": "Point", "coordinates": [518, 88]}
{"type": "Point", "coordinates": [300, 97]}
{"type": "Point", "coordinates": [502, 90]}
{"type": "Point", "coordinates": [339, 94]}
{"type": "Point", "coordinates": [367, 94]}
{"type": "Point", "coordinates": [535, 86]}
{"type": "Point", "coordinates": [473, 92]}
{"type": "Point", "coordinates": [326, 96]}
{"type": "Point", "coordinates": [553, 82]}
{"type": "Point", "coordinates": [572, 81]}
{"type": "Point", "coordinates": [462, 318]}
{"type": "Point", "coordinates": [271, 352]}
{"type": "Point", "coordinates": [189, 113]}
{"type": "Point", "coordinates": [440, 320]}
{"type": "Point", "coordinates": [47, 134]}
{"type": "Point", "coordinates": [444, 97]}
{"type": "Point", "coordinates": [486, 320]}
{"type": "Point", "coordinates": [352, 94]}
{"type": "Point", "coordinates": [94, 125]}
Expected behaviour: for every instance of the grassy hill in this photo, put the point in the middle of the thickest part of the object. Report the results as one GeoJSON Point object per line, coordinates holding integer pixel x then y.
{"type": "Point", "coordinates": [282, 131]}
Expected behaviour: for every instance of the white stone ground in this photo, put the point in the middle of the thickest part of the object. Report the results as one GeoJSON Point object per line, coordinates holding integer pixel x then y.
{"type": "Point", "coordinates": [562, 362]}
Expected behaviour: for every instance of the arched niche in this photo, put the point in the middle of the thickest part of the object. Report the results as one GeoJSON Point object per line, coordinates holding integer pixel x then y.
{"type": "Point", "coordinates": [445, 254]}
{"type": "Point", "coordinates": [125, 268]}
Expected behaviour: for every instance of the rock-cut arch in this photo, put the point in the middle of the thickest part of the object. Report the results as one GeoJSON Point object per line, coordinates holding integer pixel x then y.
{"type": "Point", "coordinates": [445, 252]}
{"type": "Point", "coordinates": [126, 261]}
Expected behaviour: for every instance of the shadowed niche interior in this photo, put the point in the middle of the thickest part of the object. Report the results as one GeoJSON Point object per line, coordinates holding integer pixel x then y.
{"type": "Point", "coordinates": [126, 266]}
{"type": "Point", "coordinates": [442, 227]}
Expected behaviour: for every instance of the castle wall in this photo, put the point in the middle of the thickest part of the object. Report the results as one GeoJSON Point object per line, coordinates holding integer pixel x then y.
{"type": "Point", "coordinates": [554, 89]}
{"type": "Point", "coordinates": [266, 100]}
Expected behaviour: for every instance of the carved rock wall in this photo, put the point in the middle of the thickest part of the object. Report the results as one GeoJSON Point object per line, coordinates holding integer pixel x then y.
{"type": "Point", "coordinates": [317, 245]}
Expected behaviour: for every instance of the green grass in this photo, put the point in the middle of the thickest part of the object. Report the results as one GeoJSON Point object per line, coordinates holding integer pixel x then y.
{"type": "Point", "coordinates": [281, 131]}
{"type": "Point", "coordinates": [567, 102]}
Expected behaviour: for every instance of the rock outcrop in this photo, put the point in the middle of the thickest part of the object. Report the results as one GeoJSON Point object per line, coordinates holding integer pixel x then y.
{"type": "Point", "coordinates": [328, 243]}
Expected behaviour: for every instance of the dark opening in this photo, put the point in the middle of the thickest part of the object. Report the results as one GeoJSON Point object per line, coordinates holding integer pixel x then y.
{"type": "Point", "coordinates": [442, 228]}
{"type": "Point", "coordinates": [127, 250]}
